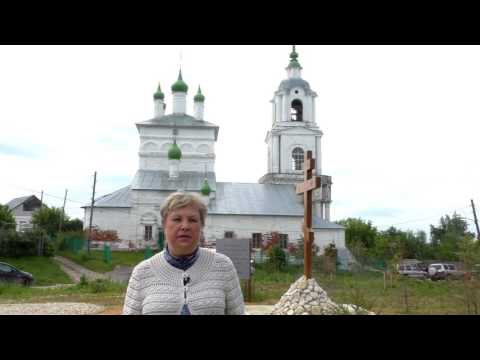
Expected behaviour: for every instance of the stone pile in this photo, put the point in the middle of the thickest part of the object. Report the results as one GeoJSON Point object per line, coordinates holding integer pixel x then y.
{"type": "Point", "coordinates": [306, 297]}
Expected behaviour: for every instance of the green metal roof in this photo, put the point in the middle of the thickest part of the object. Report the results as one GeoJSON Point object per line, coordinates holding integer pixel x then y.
{"type": "Point", "coordinates": [293, 60]}
{"type": "Point", "coordinates": [199, 97]}
{"type": "Point", "coordinates": [180, 85]}
{"type": "Point", "coordinates": [205, 190]}
{"type": "Point", "coordinates": [158, 94]}
{"type": "Point", "coordinates": [174, 153]}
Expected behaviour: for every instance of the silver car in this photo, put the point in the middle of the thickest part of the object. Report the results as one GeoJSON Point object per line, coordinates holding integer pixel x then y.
{"type": "Point", "coordinates": [412, 271]}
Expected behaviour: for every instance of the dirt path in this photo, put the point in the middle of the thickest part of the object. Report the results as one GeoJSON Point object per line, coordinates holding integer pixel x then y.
{"type": "Point", "coordinates": [76, 271]}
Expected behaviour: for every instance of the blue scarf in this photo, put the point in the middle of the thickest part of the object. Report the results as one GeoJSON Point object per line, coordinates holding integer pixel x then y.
{"type": "Point", "coordinates": [181, 262]}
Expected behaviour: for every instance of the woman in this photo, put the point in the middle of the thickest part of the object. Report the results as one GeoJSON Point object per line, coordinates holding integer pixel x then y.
{"type": "Point", "coordinates": [184, 278]}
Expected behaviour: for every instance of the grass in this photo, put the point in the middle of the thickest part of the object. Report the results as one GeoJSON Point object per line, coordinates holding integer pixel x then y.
{"type": "Point", "coordinates": [95, 261]}
{"type": "Point", "coordinates": [102, 292]}
{"type": "Point", "coordinates": [45, 270]}
{"type": "Point", "coordinates": [401, 296]}
{"type": "Point", "coordinates": [366, 289]}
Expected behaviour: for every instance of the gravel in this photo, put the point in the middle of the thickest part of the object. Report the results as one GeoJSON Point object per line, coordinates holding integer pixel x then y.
{"type": "Point", "coordinates": [50, 309]}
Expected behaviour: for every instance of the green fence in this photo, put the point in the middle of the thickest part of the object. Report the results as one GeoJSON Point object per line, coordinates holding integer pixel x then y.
{"type": "Point", "coordinates": [74, 243]}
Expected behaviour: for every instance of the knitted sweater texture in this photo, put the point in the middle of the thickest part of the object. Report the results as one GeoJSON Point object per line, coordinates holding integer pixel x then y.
{"type": "Point", "coordinates": [157, 288]}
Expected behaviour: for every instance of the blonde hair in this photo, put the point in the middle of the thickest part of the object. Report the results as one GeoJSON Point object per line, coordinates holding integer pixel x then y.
{"type": "Point", "coordinates": [179, 200]}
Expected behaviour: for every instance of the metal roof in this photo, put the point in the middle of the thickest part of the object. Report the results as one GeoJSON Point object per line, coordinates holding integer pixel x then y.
{"type": "Point", "coordinates": [255, 199]}
{"type": "Point", "coordinates": [180, 121]}
{"type": "Point", "coordinates": [230, 198]}
{"type": "Point", "coordinates": [160, 180]}
{"type": "Point", "coordinates": [262, 199]}
{"type": "Point", "coordinates": [12, 204]}
{"type": "Point", "coordinates": [289, 84]}
{"type": "Point", "coordinates": [120, 198]}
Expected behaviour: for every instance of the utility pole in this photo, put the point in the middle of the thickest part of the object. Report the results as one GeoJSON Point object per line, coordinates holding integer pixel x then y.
{"type": "Point", "coordinates": [476, 220]}
{"type": "Point", "coordinates": [91, 212]}
{"type": "Point", "coordinates": [63, 211]}
{"type": "Point", "coordinates": [40, 240]}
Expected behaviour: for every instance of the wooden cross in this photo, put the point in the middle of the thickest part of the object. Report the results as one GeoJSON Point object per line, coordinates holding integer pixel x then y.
{"type": "Point", "coordinates": [306, 188]}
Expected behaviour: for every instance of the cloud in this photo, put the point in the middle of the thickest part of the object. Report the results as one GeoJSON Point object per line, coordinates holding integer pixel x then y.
{"type": "Point", "coordinates": [26, 152]}
{"type": "Point", "coordinates": [380, 212]}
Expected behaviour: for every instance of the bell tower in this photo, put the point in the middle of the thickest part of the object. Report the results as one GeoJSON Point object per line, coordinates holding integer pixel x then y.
{"type": "Point", "coordinates": [294, 131]}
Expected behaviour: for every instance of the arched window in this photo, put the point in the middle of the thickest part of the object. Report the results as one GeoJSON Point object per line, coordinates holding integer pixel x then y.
{"type": "Point", "coordinates": [296, 110]}
{"type": "Point", "coordinates": [297, 158]}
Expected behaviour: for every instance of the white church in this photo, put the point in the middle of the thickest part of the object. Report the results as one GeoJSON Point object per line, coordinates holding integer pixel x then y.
{"type": "Point", "coordinates": [177, 153]}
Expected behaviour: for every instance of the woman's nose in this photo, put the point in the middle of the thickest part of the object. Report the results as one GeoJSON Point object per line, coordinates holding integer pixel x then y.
{"type": "Point", "coordinates": [185, 225]}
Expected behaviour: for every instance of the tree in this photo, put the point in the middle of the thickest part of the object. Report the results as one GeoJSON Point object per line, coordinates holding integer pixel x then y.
{"type": "Point", "coordinates": [72, 225]}
{"type": "Point", "coordinates": [446, 237]}
{"type": "Point", "coordinates": [277, 259]}
{"type": "Point", "coordinates": [358, 232]}
{"type": "Point", "coordinates": [48, 219]}
{"type": "Point", "coordinates": [7, 220]}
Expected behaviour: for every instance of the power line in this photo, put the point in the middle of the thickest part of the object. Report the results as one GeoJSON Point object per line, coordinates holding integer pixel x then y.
{"type": "Point", "coordinates": [50, 195]}
{"type": "Point", "coordinates": [423, 219]}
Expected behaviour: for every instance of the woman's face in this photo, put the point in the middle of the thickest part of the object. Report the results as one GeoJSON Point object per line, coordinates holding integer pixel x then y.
{"type": "Point", "coordinates": [182, 230]}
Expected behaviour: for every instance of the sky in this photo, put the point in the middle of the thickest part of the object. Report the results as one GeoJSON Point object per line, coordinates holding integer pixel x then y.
{"type": "Point", "coordinates": [400, 123]}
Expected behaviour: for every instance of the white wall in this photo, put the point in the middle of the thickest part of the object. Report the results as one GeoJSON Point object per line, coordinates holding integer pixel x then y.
{"type": "Point", "coordinates": [245, 225]}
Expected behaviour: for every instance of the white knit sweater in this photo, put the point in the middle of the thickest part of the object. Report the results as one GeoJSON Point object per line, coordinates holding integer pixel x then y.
{"type": "Point", "coordinates": [156, 287]}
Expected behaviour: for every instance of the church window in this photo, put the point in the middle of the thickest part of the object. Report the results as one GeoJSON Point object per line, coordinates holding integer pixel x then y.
{"type": "Point", "coordinates": [296, 110]}
{"type": "Point", "coordinates": [256, 240]}
{"type": "Point", "coordinates": [297, 158]}
{"type": "Point", "coordinates": [228, 234]}
{"type": "Point", "coordinates": [148, 232]}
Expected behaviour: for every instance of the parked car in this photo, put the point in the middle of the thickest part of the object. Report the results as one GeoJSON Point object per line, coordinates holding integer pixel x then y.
{"type": "Point", "coordinates": [9, 273]}
{"type": "Point", "coordinates": [453, 272]}
{"type": "Point", "coordinates": [412, 271]}
{"type": "Point", "coordinates": [437, 271]}
{"type": "Point", "coordinates": [442, 271]}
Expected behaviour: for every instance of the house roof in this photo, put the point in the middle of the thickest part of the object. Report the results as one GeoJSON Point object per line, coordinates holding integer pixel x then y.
{"type": "Point", "coordinates": [12, 204]}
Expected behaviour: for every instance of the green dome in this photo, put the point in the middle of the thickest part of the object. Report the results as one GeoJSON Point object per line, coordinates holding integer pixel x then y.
{"type": "Point", "coordinates": [174, 153]}
{"type": "Point", "coordinates": [180, 85]}
{"type": "Point", "coordinates": [293, 59]}
{"type": "Point", "coordinates": [199, 97]}
{"type": "Point", "coordinates": [159, 94]}
{"type": "Point", "coordinates": [205, 190]}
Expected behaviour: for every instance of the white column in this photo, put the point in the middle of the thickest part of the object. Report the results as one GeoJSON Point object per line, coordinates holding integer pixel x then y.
{"type": "Point", "coordinates": [327, 211]}
{"type": "Point", "coordinates": [198, 108]}
{"type": "Point", "coordinates": [286, 108]}
{"type": "Point", "coordinates": [318, 156]}
{"type": "Point", "coordinates": [206, 199]}
{"type": "Point", "coordinates": [179, 103]}
{"type": "Point", "coordinates": [321, 210]}
{"type": "Point", "coordinates": [275, 164]}
{"type": "Point", "coordinates": [159, 108]}
{"type": "Point", "coordinates": [174, 166]}
{"type": "Point", "coordinates": [294, 73]}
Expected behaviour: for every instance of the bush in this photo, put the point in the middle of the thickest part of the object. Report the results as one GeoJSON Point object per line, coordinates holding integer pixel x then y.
{"type": "Point", "coordinates": [83, 281]}
{"type": "Point", "coordinates": [15, 244]}
{"type": "Point", "coordinates": [84, 256]}
{"type": "Point", "coordinates": [277, 259]}
{"type": "Point", "coordinates": [99, 286]}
